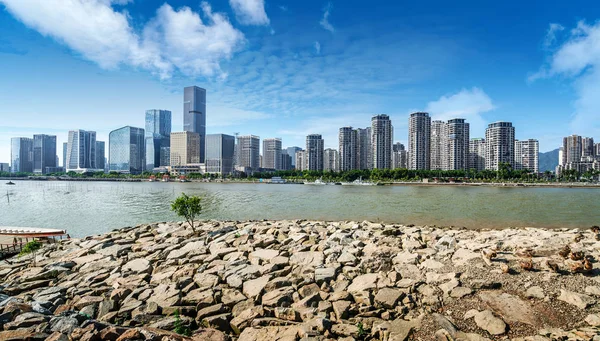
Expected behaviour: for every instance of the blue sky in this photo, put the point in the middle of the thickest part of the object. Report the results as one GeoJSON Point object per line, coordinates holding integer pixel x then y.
{"type": "Point", "coordinates": [278, 68]}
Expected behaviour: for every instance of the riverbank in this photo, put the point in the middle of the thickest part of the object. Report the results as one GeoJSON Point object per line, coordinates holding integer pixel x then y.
{"type": "Point", "coordinates": [287, 280]}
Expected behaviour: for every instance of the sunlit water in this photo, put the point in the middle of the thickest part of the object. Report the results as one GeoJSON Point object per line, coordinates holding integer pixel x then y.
{"type": "Point", "coordinates": [86, 208]}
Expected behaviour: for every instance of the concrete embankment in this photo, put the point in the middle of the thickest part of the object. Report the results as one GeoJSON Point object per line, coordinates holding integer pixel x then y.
{"type": "Point", "coordinates": [306, 280]}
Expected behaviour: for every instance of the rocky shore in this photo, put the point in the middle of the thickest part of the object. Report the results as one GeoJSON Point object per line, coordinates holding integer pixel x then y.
{"type": "Point", "coordinates": [306, 280]}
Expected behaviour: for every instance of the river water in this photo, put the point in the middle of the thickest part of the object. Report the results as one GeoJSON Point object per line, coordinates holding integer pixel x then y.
{"type": "Point", "coordinates": [87, 208]}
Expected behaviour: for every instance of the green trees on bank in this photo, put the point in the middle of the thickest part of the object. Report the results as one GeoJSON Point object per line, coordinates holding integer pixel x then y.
{"type": "Point", "coordinates": [187, 207]}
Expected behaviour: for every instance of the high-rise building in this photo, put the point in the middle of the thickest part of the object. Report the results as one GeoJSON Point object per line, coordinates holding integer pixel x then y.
{"type": "Point", "coordinates": [330, 160]}
{"type": "Point", "coordinates": [587, 147]}
{"type": "Point", "coordinates": [194, 114]}
{"type": "Point", "coordinates": [419, 140]}
{"type": "Point", "coordinates": [44, 153]}
{"type": "Point", "coordinates": [458, 144]}
{"type": "Point", "coordinates": [561, 153]}
{"type": "Point", "coordinates": [439, 146]}
{"type": "Point", "coordinates": [219, 153]}
{"type": "Point", "coordinates": [572, 149]}
{"type": "Point", "coordinates": [21, 155]}
{"type": "Point", "coordinates": [314, 152]}
{"type": "Point", "coordinates": [364, 148]}
{"type": "Point", "coordinates": [158, 138]}
{"type": "Point", "coordinates": [4, 167]}
{"type": "Point", "coordinates": [100, 155]}
{"type": "Point", "coordinates": [286, 160]}
{"type": "Point", "coordinates": [526, 155]}
{"type": "Point", "coordinates": [597, 149]}
{"type": "Point", "coordinates": [399, 156]}
{"type": "Point", "coordinates": [348, 152]}
{"type": "Point", "coordinates": [382, 135]}
{"type": "Point", "coordinates": [477, 154]}
{"type": "Point", "coordinates": [81, 152]}
{"type": "Point", "coordinates": [248, 152]}
{"type": "Point", "coordinates": [301, 160]}
{"type": "Point", "coordinates": [64, 154]}
{"type": "Point", "coordinates": [272, 154]}
{"type": "Point", "coordinates": [291, 151]}
{"type": "Point", "coordinates": [499, 145]}
{"type": "Point", "coordinates": [185, 148]}
{"type": "Point", "coordinates": [126, 150]}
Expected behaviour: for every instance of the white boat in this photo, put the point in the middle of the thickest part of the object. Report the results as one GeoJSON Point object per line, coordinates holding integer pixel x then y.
{"type": "Point", "coordinates": [318, 182]}
{"type": "Point", "coordinates": [359, 182]}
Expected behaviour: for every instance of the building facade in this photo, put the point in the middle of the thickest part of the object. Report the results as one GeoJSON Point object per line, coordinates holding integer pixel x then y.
{"type": "Point", "coordinates": [499, 145]}
{"type": "Point", "coordinates": [572, 149]}
{"type": "Point", "coordinates": [126, 150]}
{"type": "Point", "coordinates": [81, 152]}
{"type": "Point", "coordinates": [419, 140]}
{"type": "Point", "coordinates": [64, 155]}
{"type": "Point", "coordinates": [597, 149]}
{"type": "Point", "coordinates": [219, 153]}
{"type": "Point", "coordinates": [438, 159]}
{"type": "Point", "coordinates": [587, 147]}
{"type": "Point", "coordinates": [330, 160]}
{"type": "Point", "coordinates": [382, 137]}
{"type": "Point", "coordinates": [348, 149]}
{"type": "Point", "coordinates": [286, 160]}
{"type": "Point", "coordinates": [399, 156]}
{"type": "Point", "coordinates": [4, 167]}
{"type": "Point", "coordinates": [527, 155]}
{"type": "Point", "coordinates": [44, 154]}
{"type": "Point", "coordinates": [272, 154]}
{"type": "Point", "coordinates": [101, 155]}
{"type": "Point", "coordinates": [477, 154]}
{"type": "Point", "coordinates": [291, 151]}
{"type": "Point", "coordinates": [248, 152]}
{"type": "Point", "coordinates": [364, 148]}
{"type": "Point", "coordinates": [314, 152]}
{"type": "Point", "coordinates": [194, 114]}
{"type": "Point", "coordinates": [21, 155]}
{"type": "Point", "coordinates": [158, 138]}
{"type": "Point", "coordinates": [458, 144]}
{"type": "Point", "coordinates": [185, 148]}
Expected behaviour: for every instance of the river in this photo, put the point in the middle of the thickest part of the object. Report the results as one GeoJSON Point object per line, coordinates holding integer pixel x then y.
{"type": "Point", "coordinates": [87, 208]}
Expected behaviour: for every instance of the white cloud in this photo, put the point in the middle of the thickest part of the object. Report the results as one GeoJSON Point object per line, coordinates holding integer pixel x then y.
{"type": "Point", "coordinates": [467, 104]}
{"type": "Point", "coordinates": [173, 40]}
{"type": "Point", "coordinates": [317, 47]}
{"type": "Point", "coordinates": [551, 34]}
{"type": "Point", "coordinates": [578, 59]}
{"type": "Point", "coordinates": [250, 12]}
{"type": "Point", "coordinates": [325, 21]}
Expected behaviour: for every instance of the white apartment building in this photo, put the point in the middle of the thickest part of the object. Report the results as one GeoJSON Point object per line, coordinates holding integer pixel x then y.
{"type": "Point", "coordinates": [500, 145]}
{"type": "Point", "coordinates": [419, 140]}
{"type": "Point", "coordinates": [527, 155]}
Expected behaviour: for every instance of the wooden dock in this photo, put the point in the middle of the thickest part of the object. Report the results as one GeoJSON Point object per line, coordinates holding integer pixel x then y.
{"type": "Point", "coordinates": [12, 239]}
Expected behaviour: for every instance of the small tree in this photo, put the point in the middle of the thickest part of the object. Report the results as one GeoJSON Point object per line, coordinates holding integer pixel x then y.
{"type": "Point", "coordinates": [31, 248]}
{"type": "Point", "coordinates": [188, 207]}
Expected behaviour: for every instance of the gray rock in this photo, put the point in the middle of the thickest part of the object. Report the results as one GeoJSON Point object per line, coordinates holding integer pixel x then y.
{"type": "Point", "coordinates": [138, 265]}
{"type": "Point", "coordinates": [581, 301]}
{"type": "Point", "coordinates": [363, 282]}
{"type": "Point", "coordinates": [388, 297]}
{"type": "Point", "coordinates": [488, 322]}
{"type": "Point", "coordinates": [535, 292]}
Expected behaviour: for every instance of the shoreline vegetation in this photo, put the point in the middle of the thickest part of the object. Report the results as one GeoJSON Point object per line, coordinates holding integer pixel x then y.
{"type": "Point", "coordinates": [307, 280]}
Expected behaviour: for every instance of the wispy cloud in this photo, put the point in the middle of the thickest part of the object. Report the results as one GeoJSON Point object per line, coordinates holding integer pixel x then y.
{"type": "Point", "coordinates": [325, 20]}
{"type": "Point", "coordinates": [174, 40]}
{"type": "Point", "coordinates": [250, 12]}
{"type": "Point", "coordinates": [577, 58]}
{"type": "Point", "coordinates": [553, 29]}
{"type": "Point", "coordinates": [317, 47]}
{"type": "Point", "coordinates": [469, 104]}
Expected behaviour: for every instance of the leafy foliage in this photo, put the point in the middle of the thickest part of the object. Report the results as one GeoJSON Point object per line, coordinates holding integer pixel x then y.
{"type": "Point", "coordinates": [180, 328]}
{"type": "Point", "coordinates": [187, 207]}
{"type": "Point", "coordinates": [31, 248]}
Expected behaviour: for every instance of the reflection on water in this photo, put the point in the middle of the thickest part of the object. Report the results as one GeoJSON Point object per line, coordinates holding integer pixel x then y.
{"type": "Point", "coordinates": [96, 207]}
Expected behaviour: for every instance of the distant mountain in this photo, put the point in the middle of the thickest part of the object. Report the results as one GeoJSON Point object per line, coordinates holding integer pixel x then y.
{"type": "Point", "coordinates": [548, 160]}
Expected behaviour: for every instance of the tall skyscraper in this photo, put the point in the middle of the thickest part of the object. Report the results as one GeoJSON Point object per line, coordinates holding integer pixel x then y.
{"type": "Point", "coordinates": [348, 152]}
{"type": "Point", "coordinates": [587, 147]}
{"type": "Point", "coordinates": [330, 160]}
{"type": "Point", "coordinates": [100, 155]}
{"type": "Point", "coordinates": [364, 148]}
{"type": "Point", "coordinates": [194, 114]}
{"type": "Point", "coordinates": [64, 160]}
{"type": "Point", "coordinates": [44, 153]}
{"type": "Point", "coordinates": [81, 152]}
{"type": "Point", "coordinates": [301, 160]}
{"type": "Point", "coordinates": [158, 138]}
{"type": "Point", "coordinates": [382, 136]}
{"type": "Point", "coordinates": [458, 144]}
{"type": "Point", "coordinates": [126, 150]}
{"type": "Point", "coordinates": [526, 155]}
{"type": "Point", "coordinates": [597, 149]}
{"type": "Point", "coordinates": [499, 145]}
{"type": "Point", "coordinates": [399, 156]}
{"type": "Point", "coordinates": [272, 153]}
{"type": "Point", "coordinates": [185, 148]}
{"type": "Point", "coordinates": [419, 140]}
{"type": "Point", "coordinates": [21, 155]}
{"type": "Point", "coordinates": [314, 152]}
{"type": "Point", "coordinates": [248, 152]}
{"type": "Point", "coordinates": [477, 154]}
{"type": "Point", "coordinates": [438, 146]}
{"type": "Point", "coordinates": [4, 167]}
{"type": "Point", "coordinates": [572, 149]}
{"type": "Point", "coordinates": [291, 151]}
{"type": "Point", "coordinates": [286, 160]}
{"type": "Point", "coordinates": [219, 153]}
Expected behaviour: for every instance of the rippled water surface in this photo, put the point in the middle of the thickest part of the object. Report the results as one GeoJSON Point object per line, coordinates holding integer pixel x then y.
{"type": "Point", "coordinates": [85, 208]}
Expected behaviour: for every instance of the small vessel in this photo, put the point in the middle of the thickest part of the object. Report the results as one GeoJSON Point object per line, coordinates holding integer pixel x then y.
{"type": "Point", "coordinates": [318, 182]}
{"type": "Point", "coordinates": [165, 178]}
{"type": "Point", "coordinates": [10, 183]}
{"type": "Point", "coordinates": [183, 179]}
{"type": "Point", "coordinates": [359, 182]}
{"type": "Point", "coordinates": [152, 178]}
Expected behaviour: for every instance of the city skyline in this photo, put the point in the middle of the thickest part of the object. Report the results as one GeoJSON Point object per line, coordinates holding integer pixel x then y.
{"type": "Point", "coordinates": [261, 81]}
